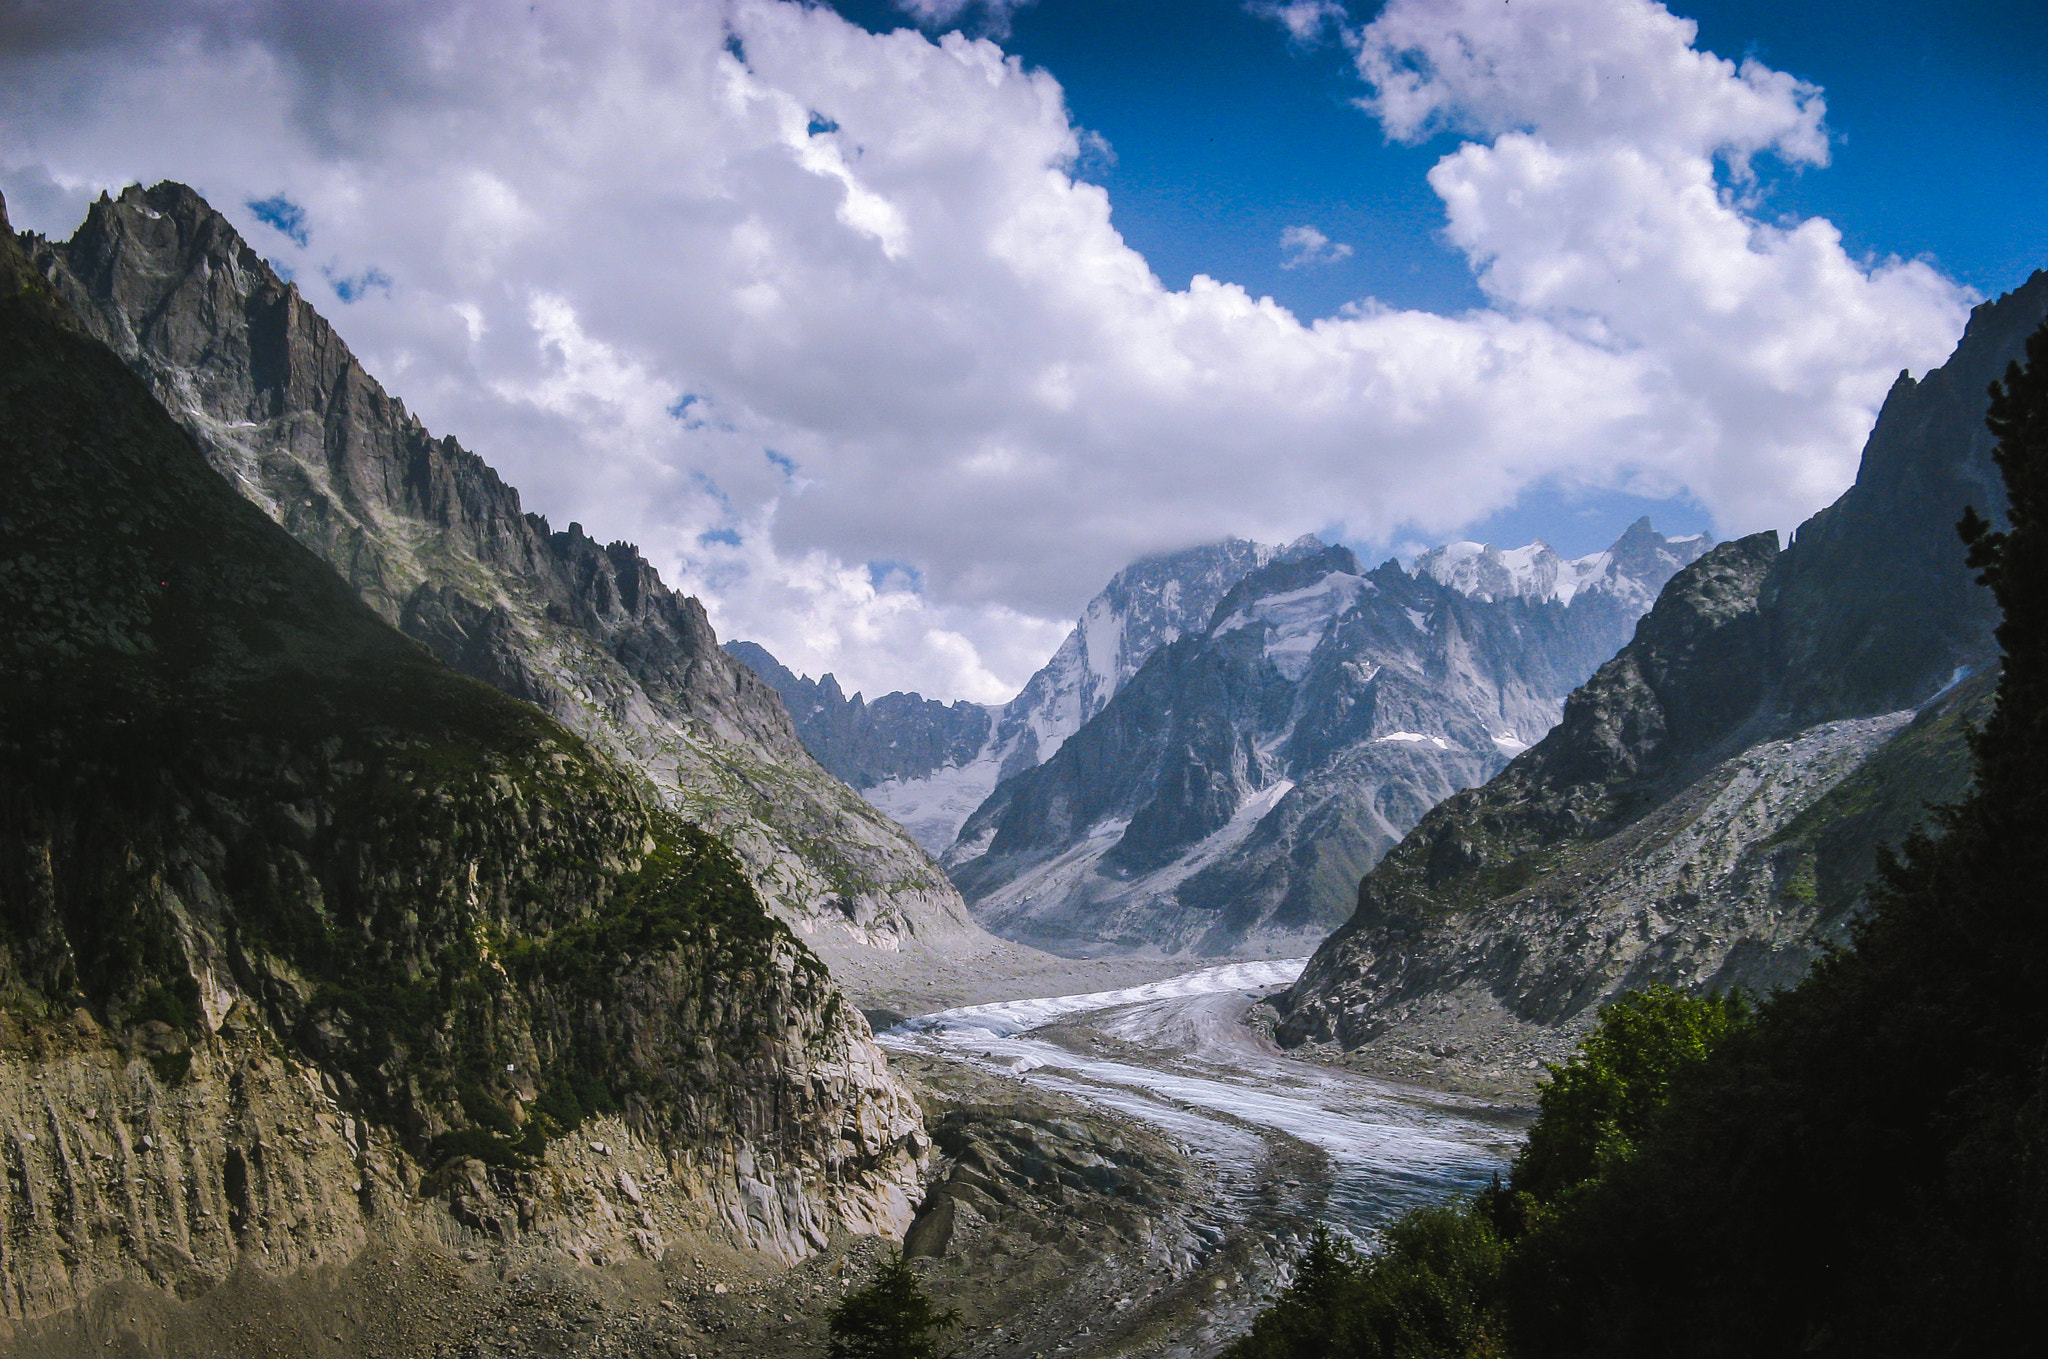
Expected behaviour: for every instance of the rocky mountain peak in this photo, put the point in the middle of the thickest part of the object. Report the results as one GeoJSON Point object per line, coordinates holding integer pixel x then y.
{"type": "Point", "coordinates": [1148, 604]}
{"type": "Point", "coordinates": [866, 744]}
{"type": "Point", "coordinates": [432, 538]}
{"type": "Point", "coordinates": [1878, 612]}
{"type": "Point", "coordinates": [929, 764]}
{"type": "Point", "coordinates": [1230, 791]}
{"type": "Point", "coordinates": [1692, 675]}
{"type": "Point", "coordinates": [1296, 695]}
{"type": "Point", "coordinates": [1636, 550]}
{"type": "Point", "coordinates": [1306, 563]}
{"type": "Point", "coordinates": [1490, 573]}
{"type": "Point", "coordinates": [1632, 569]}
{"type": "Point", "coordinates": [1709, 810]}
{"type": "Point", "coordinates": [15, 273]}
{"type": "Point", "coordinates": [310, 943]}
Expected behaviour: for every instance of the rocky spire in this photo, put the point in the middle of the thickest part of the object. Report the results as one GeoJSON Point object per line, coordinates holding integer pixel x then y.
{"type": "Point", "coordinates": [434, 540]}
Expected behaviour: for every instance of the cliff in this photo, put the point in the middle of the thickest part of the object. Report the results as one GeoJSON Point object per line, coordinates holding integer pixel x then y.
{"type": "Point", "coordinates": [308, 942]}
{"type": "Point", "coordinates": [438, 546]}
{"type": "Point", "coordinates": [1709, 811]}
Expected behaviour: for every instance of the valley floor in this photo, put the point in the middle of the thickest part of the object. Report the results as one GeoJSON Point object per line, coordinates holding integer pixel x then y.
{"type": "Point", "coordinates": [1180, 1056]}
{"type": "Point", "coordinates": [1119, 1174]}
{"type": "Point", "coordinates": [1461, 1043]}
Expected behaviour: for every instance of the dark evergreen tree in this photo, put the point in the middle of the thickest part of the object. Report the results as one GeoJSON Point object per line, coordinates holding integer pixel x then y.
{"type": "Point", "coordinates": [1859, 1169]}
{"type": "Point", "coordinates": [1435, 1289]}
{"type": "Point", "coordinates": [1864, 1171]}
{"type": "Point", "coordinates": [891, 1318]}
{"type": "Point", "coordinates": [1431, 1291]}
{"type": "Point", "coordinates": [1306, 1316]}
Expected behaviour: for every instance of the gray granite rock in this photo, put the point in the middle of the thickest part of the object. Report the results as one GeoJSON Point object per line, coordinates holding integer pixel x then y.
{"type": "Point", "coordinates": [1228, 795]}
{"type": "Point", "coordinates": [434, 541]}
{"type": "Point", "coordinates": [308, 942]}
{"type": "Point", "coordinates": [1709, 810]}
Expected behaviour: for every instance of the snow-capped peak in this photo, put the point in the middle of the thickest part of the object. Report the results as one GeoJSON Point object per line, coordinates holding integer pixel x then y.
{"type": "Point", "coordinates": [1296, 621]}
{"type": "Point", "coordinates": [1486, 572]}
{"type": "Point", "coordinates": [1634, 568]}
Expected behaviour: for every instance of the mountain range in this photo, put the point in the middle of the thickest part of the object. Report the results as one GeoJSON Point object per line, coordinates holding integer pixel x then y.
{"type": "Point", "coordinates": [1232, 734]}
{"type": "Point", "coordinates": [433, 541]}
{"type": "Point", "coordinates": [385, 873]}
{"type": "Point", "coordinates": [1709, 811]}
{"type": "Point", "coordinates": [929, 765]}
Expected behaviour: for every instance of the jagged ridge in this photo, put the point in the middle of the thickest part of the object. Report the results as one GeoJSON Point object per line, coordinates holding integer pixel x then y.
{"type": "Point", "coordinates": [930, 764]}
{"type": "Point", "coordinates": [290, 913]}
{"type": "Point", "coordinates": [1698, 817]}
{"type": "Point", "coordinates": [1230, 793]}
{"type": "Point", "coordinates": [433, 540]}
{"type": "Point", "coordinates": [898, 736]}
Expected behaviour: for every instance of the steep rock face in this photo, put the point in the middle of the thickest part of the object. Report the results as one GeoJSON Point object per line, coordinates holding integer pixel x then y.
{"type": "Point", "coordinates": [1708, 811]}
{"type": "Point", "coordinates": [929, 765]}
{"type": "Point", "coordinates": [307, 941]}
{"type": "Point", "coordinates": [1149, 604]}
{"type": "Point", "coordinates": [1227, 796]}
{"type": "Point", "coordinates": [1872, 608]}
{"type": "Point", "coordinates": [429, 536]}
{"type": "Point", "coordinates": [898, 736]}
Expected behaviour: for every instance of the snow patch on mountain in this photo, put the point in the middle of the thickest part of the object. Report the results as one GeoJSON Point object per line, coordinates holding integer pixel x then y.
{"type": "Point", "coordinates": [1535, 571]}
{"type": "Point", "coordinates": [1222, 841]}
{"type": "Point", "coordinates": [1256, 768]}
{"type": "Point", "coordinates": [1102, 629]}
{"type": "Point", "coordinates": [1416, 738]}
{"type": "Point", "coordinates": [932, 807]}
{"type": "Point", "coordinates": [1150, 604]}
{"type": "Point", "coordinates": [1296, 621]}
{"type": "Point", "coordinates": [1080, 869]}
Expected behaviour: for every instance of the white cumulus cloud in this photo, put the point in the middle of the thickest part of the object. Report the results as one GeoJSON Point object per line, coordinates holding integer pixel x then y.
{"type": "Point", "coordinates": [1305, 245]}
{"type": "Point", "coordinates": [993, 16]}
{"type": "Point", "coordinates": [1582, 72]}
{"type": "Point", "coordinates": [822, 320]}
{"type": "Point", "coordinates": [1305, 20]}
{"type": "Point", "coordinates": [1596, 206]}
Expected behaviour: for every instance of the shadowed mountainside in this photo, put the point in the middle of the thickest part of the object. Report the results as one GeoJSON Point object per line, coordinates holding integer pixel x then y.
{"type": "Point", "coordinates": [1708, 812]}
{"type": "Point", "coordinates": [307, 941]}
{"type": "Point", "coordinates": [433, 541]}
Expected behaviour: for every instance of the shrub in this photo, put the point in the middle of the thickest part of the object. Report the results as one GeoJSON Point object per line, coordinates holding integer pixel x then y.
{"type": "Point", "coordinates": [891, 1318]}
{"type": "Point", "coordinates": [1596, 1107]}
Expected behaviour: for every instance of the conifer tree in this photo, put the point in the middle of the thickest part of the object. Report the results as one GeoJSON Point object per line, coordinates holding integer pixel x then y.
{"type": "Point", "coordinates": [891, 1318]}
{"type": "Point", "coordinates": [1864, 1171]}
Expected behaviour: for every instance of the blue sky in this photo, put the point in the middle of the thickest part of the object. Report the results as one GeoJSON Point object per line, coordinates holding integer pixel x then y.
{"type": "Point", "coordinates": [849, 328]}
{"type": "Point", "coordinates": [1224, 133]}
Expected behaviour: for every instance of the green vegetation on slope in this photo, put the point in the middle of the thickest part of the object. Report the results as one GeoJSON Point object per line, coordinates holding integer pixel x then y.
{"type": "Point", "coordinates": [222, 775]}
{"type": "Point", "coordinates": [1860, 1169]}
{"type": "Point", "coordinates": [1832, 843]}
{"type": "Point", "coordinates": [890, 1318]}
{"type": "Point", "coordinates": [1441, 1285]}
